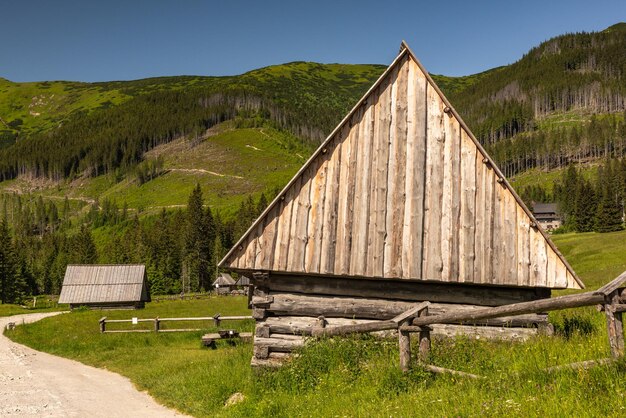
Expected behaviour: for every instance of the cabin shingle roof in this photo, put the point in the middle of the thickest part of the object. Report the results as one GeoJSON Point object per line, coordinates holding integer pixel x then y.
{"type": "Point", "coordinates": [84, 284]}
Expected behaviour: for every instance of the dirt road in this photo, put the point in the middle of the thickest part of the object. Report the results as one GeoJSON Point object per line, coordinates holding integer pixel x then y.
{"type": "Point", "coordinates": [39, 384]}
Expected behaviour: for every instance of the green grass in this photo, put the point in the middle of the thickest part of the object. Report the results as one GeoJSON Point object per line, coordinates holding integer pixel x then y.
{"type": "Point", "coordinates": [43, 304]}
{"type": "Point", "coordinates": [360, 376]}
{"type": "Point", "coordinates": [596, 258]}
{"type": "Point", "coordinates": [547, 179]}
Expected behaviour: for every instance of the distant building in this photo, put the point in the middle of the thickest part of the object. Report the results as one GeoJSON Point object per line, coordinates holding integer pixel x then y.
{"type": "Point", "coordinates": [105, 286]}
{"type": "Point", "coordinates": [548, 215]}
{"type": "Point", "coordinates": [243, 281]}
{"type": "Point", "coordinates": [224, 283]}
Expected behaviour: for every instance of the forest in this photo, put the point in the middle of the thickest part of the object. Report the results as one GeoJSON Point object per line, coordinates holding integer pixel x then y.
{"type": "Point", "coordinates": [180, 248]}
{"type": "Point", "coordinates": [587, 202]}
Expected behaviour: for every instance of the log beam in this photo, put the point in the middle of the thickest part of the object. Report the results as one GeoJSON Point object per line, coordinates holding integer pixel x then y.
{"type": "Point", "coordinates": [561, 302]}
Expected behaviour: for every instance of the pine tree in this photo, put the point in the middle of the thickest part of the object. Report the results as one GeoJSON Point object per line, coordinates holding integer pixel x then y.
{"type": "Point", "coordinates": [609, 211]}
{"type": "Point", "coordinates": [8, 267]}
{"type": "Point", "coordinates": [195, 258]}
{"type": "Point", "coordinates": [585, 207]}
{"type": "Point", "coordinates": [83, 247]}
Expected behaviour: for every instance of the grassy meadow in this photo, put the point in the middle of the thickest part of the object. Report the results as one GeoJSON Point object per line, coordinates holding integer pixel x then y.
{"type": "Point", "coordinates": [359, 376]}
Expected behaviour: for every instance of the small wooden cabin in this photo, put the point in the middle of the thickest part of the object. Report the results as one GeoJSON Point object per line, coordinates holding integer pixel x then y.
{"type": "Point", "coordinates": [224, 283]}
{"type": "Point", "coordinates": [105, 286]}
{"type": "Point", "coordinates": [399, 204]}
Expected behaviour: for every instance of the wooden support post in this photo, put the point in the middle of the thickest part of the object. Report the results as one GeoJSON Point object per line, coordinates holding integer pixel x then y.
{"type": "Point", "coordinates": [424, 339]}
{"type": "Point", "coordinates": [157, 324]}
{"type": "Point", "coordinates": [216, 320]}
{"type": "Point", "coordinates": [250, 294]}
{"type": "Point", "coordinates": [424, 350]}
{"type": "Point", "coordinates": [103, 324]}
{"type": "Point", "coordinates": [404, 341]}
{"type": "Point", "coordinates": [614, 324]}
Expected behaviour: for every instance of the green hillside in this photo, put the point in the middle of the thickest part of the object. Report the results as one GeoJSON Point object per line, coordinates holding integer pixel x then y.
{"type": "Point", "coordinates": [562, 102]}
{"type": "Point", "coordinates": [78, 161]}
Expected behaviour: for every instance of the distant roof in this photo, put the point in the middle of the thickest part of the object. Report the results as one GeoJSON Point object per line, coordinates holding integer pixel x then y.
{"type": "Point", "coordinates": [545, 208]}
{"type": "Point", "coordinates": [243, 281]}
{"type": "Point", "coordinates": [224, 279]}
{"type": "Point", "coordinates": [104, 283]}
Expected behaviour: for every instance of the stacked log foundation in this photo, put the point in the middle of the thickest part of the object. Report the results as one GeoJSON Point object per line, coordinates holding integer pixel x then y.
{"type": "Point", "coordinates": [287, 308]}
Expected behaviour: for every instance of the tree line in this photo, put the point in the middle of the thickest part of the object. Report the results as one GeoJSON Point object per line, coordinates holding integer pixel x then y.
{"type": "Point", "coordinates": [587, 201]}
{"type": "Point", "coordinates": [180, 248]}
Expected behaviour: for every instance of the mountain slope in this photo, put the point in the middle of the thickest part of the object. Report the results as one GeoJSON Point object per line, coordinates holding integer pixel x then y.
{"type": "Point", "coordinates": [561, 102]}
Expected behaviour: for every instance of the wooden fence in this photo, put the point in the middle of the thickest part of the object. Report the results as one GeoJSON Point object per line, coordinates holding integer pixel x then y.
{"type": "Point", "coordinates": [610, 299]}
{"type": "Point", "coordinates": [217, 319]}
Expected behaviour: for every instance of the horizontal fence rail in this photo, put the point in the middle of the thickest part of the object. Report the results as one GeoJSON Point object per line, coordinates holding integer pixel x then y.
{"type": "Point", "coordinates": [217, 319]}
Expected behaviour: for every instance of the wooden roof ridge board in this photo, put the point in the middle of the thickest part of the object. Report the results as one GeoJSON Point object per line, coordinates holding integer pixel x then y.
{"type": "Point", "coordinates": [449, 109]}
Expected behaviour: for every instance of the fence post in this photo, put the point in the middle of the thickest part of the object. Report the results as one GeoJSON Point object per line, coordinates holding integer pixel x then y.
{"type": "Point", "coordinates": [424, 339]}
{"type": "Point", "coordinates": [103, 324]}
{"type": "Point", "coordinates": [404, 344]}
{"type": "Point", "coordinates": [216, 318]}
{"type": "Point", "coordinates": [157, 324]}
{"type": "Point", "coordinates": [614, 324]}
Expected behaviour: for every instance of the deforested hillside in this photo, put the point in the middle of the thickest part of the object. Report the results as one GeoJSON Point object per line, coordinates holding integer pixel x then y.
{"type": "Point", "coordinates": [562, 102]}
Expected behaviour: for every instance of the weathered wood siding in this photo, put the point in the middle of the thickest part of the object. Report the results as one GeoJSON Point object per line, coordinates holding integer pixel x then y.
{"type": "Point", "coordinates": [402, 190]}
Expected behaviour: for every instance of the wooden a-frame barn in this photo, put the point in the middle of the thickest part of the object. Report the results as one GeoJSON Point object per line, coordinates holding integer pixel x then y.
{"type": "Point", "coordinates": [399, 204]}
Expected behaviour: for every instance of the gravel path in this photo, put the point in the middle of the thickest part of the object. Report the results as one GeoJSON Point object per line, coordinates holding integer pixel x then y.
{"type": "Point", "coordinates": [33, 383]}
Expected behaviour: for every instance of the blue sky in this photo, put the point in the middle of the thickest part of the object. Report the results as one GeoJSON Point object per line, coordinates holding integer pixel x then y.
{"type": "Point", "coordinates": [121, 40]}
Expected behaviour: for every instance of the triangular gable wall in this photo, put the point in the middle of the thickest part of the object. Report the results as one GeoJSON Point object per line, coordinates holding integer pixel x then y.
{"type": "Point", "coordinates": [402, 190]}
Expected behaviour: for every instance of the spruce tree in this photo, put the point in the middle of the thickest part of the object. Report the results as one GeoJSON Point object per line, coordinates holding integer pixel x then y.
{"type": "Point", "coordinates": [83, 247]}
{"type": "Point", "coordinates": [195, 266]}
{"type": "Point", "coordinates": [609, 211]}
{"type": "Point", "coordinates": [585, 207]}
{"type": "Point", "coordinates": [8, 267]}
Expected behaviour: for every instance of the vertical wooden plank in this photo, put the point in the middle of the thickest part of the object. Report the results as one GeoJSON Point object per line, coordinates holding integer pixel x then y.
{"type": "Point", "coordinates": [451, 204]}
{"type": "Point", "coordinates": [432, 263]}
{"type": "Point", "coordinates": [551, 268]}
{"type": "Point", "coordinates": [487, 236]}
{"type": "Point", "coordinates": [346, 198]}
{"type": "Point", "coordinates": [499, 245]}
{"type": "Point", "coordinates": [250, 248]}
{"type": "Point", "coordinates": [358, 258]}
{"type": "Point", "coordinates": [378, 204]}
{"type": "Point", "coordinates": [510, 235]}
{"type": "Point", "coordinates": [397, 163]}
{"type": "Point", "coordinates": [316, 214]}
{"type": "Point", "coordinates": [282, 255]}
{"type": "Point", "coordinates": [415, 176]}
{"type": "Point", "coordinates": [374, 161]}
{"type": "Point", "coordinates": [561, 274]}
{"type": "Point", "coordinates": [392, 172]}
{"type": "Point", "coordinates": [331, 205]}
{"type": "Point", "coordinates": [266, 256]}
{"type": "Point", "coordinates": [479, 223]}
{"type": "Point", "coordinates": [455, 244]}
{"type": "Point", "coordinates": [538, 259]}
{"type": "Point", "coordinates": [468, 209]}
{"type": "Point", "coordinates": [299, 222]}
{"type": "Point", "coordinates": [278, 232]}
{"type": "Point", "coordinates": [523, 247]}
